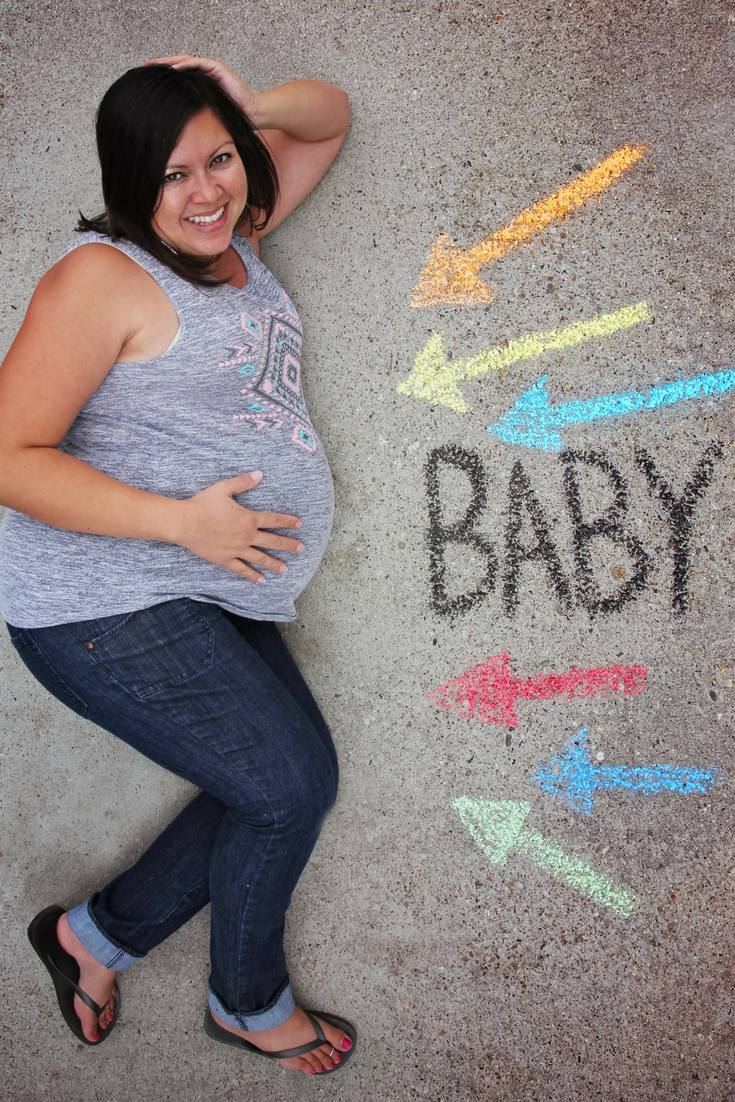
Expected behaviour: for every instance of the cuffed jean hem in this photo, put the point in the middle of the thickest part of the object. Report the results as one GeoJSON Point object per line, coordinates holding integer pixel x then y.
{"type": "Point", "coordinates": [275, 1015]}
{"type": "Point", "coordinates": [104, 951]}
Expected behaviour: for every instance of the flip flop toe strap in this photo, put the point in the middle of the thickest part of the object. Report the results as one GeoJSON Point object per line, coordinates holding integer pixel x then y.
{"type": "Point", "coordinates": [82, 994]}
{"type": "Point", "coordinates": [289, 1053]}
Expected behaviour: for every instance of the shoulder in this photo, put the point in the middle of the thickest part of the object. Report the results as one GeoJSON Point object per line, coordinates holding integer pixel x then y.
{"type": "Point", "coordinates": [91, 261]}
{"type": "Point", "coordinates": [94, 273]}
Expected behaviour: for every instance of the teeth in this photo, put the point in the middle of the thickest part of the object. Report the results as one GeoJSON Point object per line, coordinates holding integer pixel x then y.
{"type": "Point", "coordinates": [204, 219]}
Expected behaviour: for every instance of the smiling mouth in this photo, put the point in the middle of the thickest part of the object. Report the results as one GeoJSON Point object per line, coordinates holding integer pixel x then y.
{"type": "Point", "coordinates": [206, 219]}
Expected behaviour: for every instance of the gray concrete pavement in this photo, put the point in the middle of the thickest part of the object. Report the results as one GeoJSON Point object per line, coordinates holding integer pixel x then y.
{"type": "Point", "coordinates": [467, 976]}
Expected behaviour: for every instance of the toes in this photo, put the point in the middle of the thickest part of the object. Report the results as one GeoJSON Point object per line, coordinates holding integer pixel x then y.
{"type": "Point", "coordinates": [301, 1063]}
{"type": "Point", "coordinates": [91, 1031]}
{"type": "Point", "coordinates": [87, 1020]}
{"type": "Point", "coordinates": [91, 1025]}
{"type": "Point", "coordinates": [313, 1058]}
{"type": "Point", "coordinates": [336, 1039]}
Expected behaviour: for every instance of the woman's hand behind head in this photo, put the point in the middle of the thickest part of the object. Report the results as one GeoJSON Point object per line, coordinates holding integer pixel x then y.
{"type": "Point", "coordinates": [235, 87]}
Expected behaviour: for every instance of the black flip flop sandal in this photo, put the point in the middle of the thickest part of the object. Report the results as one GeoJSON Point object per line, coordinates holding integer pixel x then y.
{"type": "Point", "coordinates": [217, 1033]}
{"type": "Point", "coordinates": [64, 971]}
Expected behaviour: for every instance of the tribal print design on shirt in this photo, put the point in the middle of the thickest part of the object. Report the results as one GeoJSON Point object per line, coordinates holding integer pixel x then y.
{"type": "Point", "coordinates": [270, 366]}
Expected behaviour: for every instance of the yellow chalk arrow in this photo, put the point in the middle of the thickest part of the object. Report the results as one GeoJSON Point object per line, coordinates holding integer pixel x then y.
{"type": "Point", "coordinates": [434, 376]}
{"type": "Point", "coordinates": [451, 275]}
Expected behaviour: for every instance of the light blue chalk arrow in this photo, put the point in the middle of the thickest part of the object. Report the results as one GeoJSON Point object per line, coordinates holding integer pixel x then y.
{"type": "Point", "coordinates": [535, 423]}
{"type": "Point", "coordinates": [573, 777]}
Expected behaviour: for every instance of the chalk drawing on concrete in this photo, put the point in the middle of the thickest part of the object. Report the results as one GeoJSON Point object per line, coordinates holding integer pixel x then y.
{"type": "Point", "coordinates": [679, 512]}
{"type": "Point", "coordinates": [573, 776]}
{"type": "Point", "coordinates": [435, 377]}
{"type": "Point", "coordinates": [462, 531]}
{"type": "Point", "coordinates": [535, 423]}
{"type": "Point", "coordinates": [497, 826]}
{"type": "Point", "coordinates": [609, 525]}
{"type": "Point", "coordinates": [452, 275]}
{"type": "Point", "coordinates": [488, 692]}
{"type": "Point", "coordinates": [525, 512]}
{"type": "Point", "coordinates": [522, 498]}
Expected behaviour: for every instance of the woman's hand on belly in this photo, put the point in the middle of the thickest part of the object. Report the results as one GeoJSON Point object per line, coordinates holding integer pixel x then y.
{"type": "Point", "coordinates": [216, 528]}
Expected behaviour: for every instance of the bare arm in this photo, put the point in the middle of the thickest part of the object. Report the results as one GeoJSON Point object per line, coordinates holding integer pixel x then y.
{"type": "Point", "coordinates": [81, 316]}
{"type": "Point", "coordinates": [303, 122]}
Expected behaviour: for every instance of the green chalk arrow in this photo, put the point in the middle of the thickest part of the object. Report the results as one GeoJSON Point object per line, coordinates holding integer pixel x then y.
{"type": "Point", "coordinates": [497, 827]}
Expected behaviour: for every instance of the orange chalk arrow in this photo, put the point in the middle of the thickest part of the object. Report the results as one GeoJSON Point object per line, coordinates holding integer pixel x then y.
{"type": "Point", "coordinates": [451, 275]}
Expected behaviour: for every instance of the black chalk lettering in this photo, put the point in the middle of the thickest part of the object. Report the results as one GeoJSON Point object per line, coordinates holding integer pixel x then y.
{"type": "Point", "coordinates": [462, 531]}
{"type": "Point", "coordinates": [609, 525]}
{"type": "Point", "coordinates": [680, 514]}
{"type": "Point", "coordinates": [520, 496]}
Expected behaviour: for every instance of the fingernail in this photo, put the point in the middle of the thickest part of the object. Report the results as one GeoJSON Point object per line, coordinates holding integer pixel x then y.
{"type": "Point", "coordinates": [256, 475]}
{"type": "Point", "coordinates": [346, 1043]}
{"type": "Point", "coordinates": [299, 524]}
{"type": "Point", "coordinates": [260, 581]}
{"type": "Point", "coordinates": [299, 547]}
{"type": "Point", "coordinates": [283, 569]}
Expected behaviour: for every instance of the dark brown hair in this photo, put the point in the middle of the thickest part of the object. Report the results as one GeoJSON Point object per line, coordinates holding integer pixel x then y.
{"type": "Point", "coordinates": [139, 122]}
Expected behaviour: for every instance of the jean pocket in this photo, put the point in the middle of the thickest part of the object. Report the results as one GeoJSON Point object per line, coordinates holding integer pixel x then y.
{"type": "Point", "coordinates": [152, 649]}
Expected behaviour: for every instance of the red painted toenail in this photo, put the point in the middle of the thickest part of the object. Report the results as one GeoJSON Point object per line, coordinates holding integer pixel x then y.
{"type": "Point", "coordinates": [311, 1071]}
{"type": "Point", "coordinates": [96, 1037]}
{"type": "Point", "coordinates": [346, 1042]}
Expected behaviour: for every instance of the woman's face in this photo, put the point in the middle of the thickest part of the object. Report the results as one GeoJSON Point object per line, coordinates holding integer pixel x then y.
{"type": "Point", "coordinates": [204, 189]}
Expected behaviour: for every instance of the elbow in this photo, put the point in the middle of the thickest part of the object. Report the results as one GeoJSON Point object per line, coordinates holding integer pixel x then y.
{"type": "Point", "coordinates": [340, 109]}
{"type": "Point", "coordinates": [5, 481]}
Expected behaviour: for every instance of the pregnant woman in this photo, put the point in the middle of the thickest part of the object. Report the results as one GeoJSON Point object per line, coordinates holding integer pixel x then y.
{"type": "Point", "coordinates": [167, 500]}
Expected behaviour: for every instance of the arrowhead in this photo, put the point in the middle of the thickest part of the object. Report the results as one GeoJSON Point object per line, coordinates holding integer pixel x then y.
{"type": "Point", "coordinates": [570, 775]}
{"type": "Point", "coordinates": [530, 421]}
{"type": "Point", "coordinates": [449, 275]}
{"type": "Point", "coordinates": [493, 824]}
{"type": "Point", "coordinates": [486, 693]}
{"type": "Point", "coordinates": [434, 377]}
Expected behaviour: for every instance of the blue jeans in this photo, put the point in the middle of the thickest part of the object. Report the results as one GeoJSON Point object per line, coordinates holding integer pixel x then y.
{"type": "Point", "coordinates": [219, 701]}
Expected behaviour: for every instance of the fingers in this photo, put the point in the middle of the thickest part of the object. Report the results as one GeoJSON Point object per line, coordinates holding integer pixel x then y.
{"type": "Point", "coordinates": [238, 566]}
{"type": "Point", "coordinates": [182, 61]}
{"type": "Point", "coordinates": [242, 482]}
{"type": "Point", "coordinates": [278, 543]}
{"type": "Point", "coordinates": [278, 520]}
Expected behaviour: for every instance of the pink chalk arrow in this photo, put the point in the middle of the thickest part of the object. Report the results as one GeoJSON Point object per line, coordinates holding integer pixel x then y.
{"type": "Point", "coordinates": [489, 692]}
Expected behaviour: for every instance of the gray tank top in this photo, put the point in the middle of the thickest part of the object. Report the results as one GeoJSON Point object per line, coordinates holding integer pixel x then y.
{"type": "Point", "coordinates": [224, 399]}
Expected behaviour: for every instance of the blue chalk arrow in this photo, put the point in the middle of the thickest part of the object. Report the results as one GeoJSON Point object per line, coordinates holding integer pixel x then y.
{"type": "Point", "coordinates": [573, 777]}
{"type": "Point", "coordinates": [533, 422]}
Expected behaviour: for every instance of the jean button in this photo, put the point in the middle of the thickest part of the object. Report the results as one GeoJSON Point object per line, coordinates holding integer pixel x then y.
{"type": "Point", "coordinates": [90, 646]}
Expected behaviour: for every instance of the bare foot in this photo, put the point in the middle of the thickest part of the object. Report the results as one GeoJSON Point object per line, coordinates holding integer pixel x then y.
{"type": "Point", "coordinates": [94, 979]}
{"type": "Point", "coordinates": [298, 1030]}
